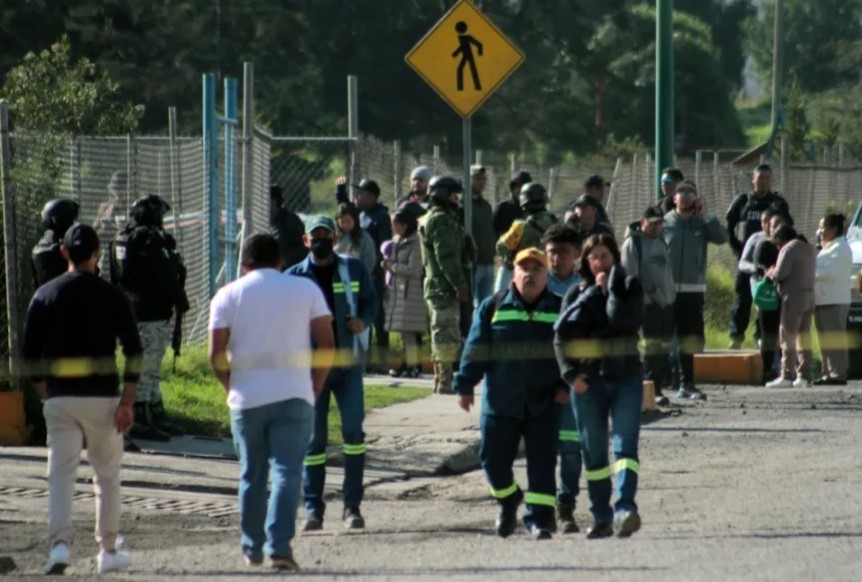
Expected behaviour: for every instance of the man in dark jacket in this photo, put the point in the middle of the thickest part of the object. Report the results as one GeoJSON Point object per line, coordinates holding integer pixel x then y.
{"type": "Point", "coordinates": [746, 210]}
{"type": "Point", "coordinates": [287, 228]}
{"type": "Point", "coordinates": [47, 260]}
{"type": "Point", "coordinates": [509, 210]}
{"type": "Point", "coordinates": [510, 346]}
{"type": "Point", "coordinates": [586, 217]}
{"type": "Point", "coordinates": [374, 219]}
{"type": "Point", "coordinates": [484, 237]}
{"type": "Point", "coordinates": [146, 265]}
{"type": "Point", "coordinates": [670, 179]}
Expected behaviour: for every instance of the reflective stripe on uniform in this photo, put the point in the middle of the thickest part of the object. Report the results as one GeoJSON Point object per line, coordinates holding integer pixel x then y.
{"type": "Point", "coordinates": [359, 449]}
{"type": "Point", "coordinates": [570, 436]}
{"type": "Point", "coordinates": [598, 474]}
{"type": "Point", "coordinates": [503, 493]}
{"type": "Point", "coordinates": [540, 499]}
{"type": "Point", "coordinates": [691, 288]}
{"type": "Point", "coordinates": [517, 315]}
{"type": "Point", "coordinates": [630, 464]}
{"type": "Point", "coordinates": [338, 287]}
{"type": "Point", "coordinates": [314, 460]}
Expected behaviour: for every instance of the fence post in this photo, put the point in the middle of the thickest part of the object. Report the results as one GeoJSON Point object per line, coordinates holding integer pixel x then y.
{"type": "Point", "coordinates": [513, 164]}
{"type": "Point", "coordinates": [210, 144]}
{"type": "Point", "coordinates": [436, 159]}
{"type": "Point", "coordinates": [783, 163]}
{"type": "Point", "coordinates": [9, 244]}
{"type": "Point", "coordinates": [176, 176]}
{"type": "Point", "coordinates": [716, 175]}
{"type": "Point", "coordinates": [551, 184]}
{"type": "Point", "coordinates": [478, 157]}
{"type": "Point", "coordinates": [230, 122]}
{"type": "Point", "coordinates": [247, 149]}
{"type": "Point", "coordinates": [398, 168]}
{"type": "Point", "coordinates": [353, 125]}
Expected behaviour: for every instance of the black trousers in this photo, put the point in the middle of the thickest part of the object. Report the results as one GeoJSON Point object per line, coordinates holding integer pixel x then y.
{"type": "Point", "coordinates": [658, 331]}
{"type": "Point", "coordinates": [381, 336]}
{"type": "Point", "coordinates": [741, 311]}
{"type": "Point", "coordinates": [769, 325]}
{"type": "Point", "coordinates": [688, 323]}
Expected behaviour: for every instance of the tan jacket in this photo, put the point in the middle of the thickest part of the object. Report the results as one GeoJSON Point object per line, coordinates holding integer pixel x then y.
{"type": "Point", "coordinates": [797, 264]}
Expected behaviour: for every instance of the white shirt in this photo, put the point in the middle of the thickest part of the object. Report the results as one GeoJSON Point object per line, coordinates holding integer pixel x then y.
{"type": "Point", "coordinates": [269, 317]}
{"type": "Point", "coordinates": [834, 271]}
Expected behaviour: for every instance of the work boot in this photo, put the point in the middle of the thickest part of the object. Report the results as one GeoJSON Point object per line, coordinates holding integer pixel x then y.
{"type": "Point", "coordinates": [538, 532]}
{"type": "Point", "coordinates": [566, 517]}
{"type": "Point", "coordinates": [313, 522]}
{"type": "Point", "coordinates": [599, 531]}
{"type": "Point", "coordinates": [143, 428]}
{"type": "Point", "coordinates": [159, 419]}
{"type": "Point", "coordinates": [353, 518]}
{"type": "Point", "coordinates": [507, 521]}
{"type": "Point", "coordinates": [627, 523]}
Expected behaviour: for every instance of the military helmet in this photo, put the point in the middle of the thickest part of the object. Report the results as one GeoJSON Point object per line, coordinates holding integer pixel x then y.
{"type": "Point", "coordinates": [533, 196]}
{"type": "Point", "coordinates": [441, 187]}
{"type": "Point", "coordinates": [149, 210]}
{"type": "Point", "coordinates": [59, 214]}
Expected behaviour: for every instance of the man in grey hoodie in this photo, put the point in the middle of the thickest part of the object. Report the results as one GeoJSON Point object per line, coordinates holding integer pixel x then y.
{"type": "Point", "coordinates": [688, 229]}
{"type": "Point", "coordinates": [645, 255]}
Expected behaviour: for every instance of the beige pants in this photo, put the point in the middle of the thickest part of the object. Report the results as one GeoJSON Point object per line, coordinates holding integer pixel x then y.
{"type": "Point", "coordinates": [795, 336]}
{"type": "Point", "coordinates": [70, 420]}
{"type": "Point", "coordinates": [831, 324]}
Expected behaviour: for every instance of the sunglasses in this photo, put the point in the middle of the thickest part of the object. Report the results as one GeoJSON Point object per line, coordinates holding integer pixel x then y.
{"type": "Point", "coordinates": [667, 180]}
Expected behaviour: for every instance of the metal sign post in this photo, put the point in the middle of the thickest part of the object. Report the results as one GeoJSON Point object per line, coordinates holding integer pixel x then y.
{"type": "Point", "coordinates": [467, 137]}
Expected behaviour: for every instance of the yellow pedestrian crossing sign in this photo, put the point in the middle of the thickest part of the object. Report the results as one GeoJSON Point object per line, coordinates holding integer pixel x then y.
{"type": "Point", "coordinates": [465, 58]}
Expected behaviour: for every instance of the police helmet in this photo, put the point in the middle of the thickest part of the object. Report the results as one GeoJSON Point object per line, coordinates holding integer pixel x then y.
{"type": "Point", "coordinates": [149, 210]}
{"type": "Point", "coordinates": [59, 214]}
{"type": "Point", "coordinates": [533, 196]}
{"type": "Point", "coordinates": [441, 187]}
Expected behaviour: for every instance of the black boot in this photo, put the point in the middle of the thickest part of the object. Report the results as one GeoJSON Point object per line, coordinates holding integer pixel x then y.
{"type": "Point", "coordinates": [159, 420]}
{"type": "Point", "coordinates": [143, 428]}
{"type": "Point", "coordinates": [507, 521]}
{"type": "Point", "coordinates": [566, 518]}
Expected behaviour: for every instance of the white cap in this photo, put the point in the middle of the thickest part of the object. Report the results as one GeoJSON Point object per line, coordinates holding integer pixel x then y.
{"type": "Point", "coordinates": [421, 172]}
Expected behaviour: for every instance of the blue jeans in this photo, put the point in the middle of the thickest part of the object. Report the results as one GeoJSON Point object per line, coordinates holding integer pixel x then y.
{"type": "Point", "coordinates": [504, 279]}
{"type": "Point", "coordinates": [270, 440]}
{"type": "Point", "coordinates": [570, 456]}
{"type": "Point", "coordinates": [622, 399]}
{"type": "Point", "coordinates": [501, 436]}
{"type": "Point", "coordinates": [346, 385]}
{"type": "Point", "coordinates": [483, 283]}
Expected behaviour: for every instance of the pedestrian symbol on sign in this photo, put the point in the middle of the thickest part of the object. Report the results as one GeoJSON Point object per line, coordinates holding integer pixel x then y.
{"type": "Point", "coordinates": [466, 42]}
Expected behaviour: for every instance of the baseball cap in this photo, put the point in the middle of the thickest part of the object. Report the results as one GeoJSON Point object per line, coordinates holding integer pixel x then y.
{"type": "Point", "coordinates": [319, 221]}
{"type": "Point", "coordinates": [594, 181]}
{"type": "Point", "coordinates": [532, 254]}
{"type": "Point", "coordinates": [584, 200]}
{"type": "Point", "coordinates": [653, 214]}
{"type": "Point", "coordinates": [421, 172]}
{"type": "Point", "coordinates": [686, 188]}
{"type": "Point", "coordinates": [520, 177]}
{"type": "Point", "coordinates": [369, 186]}
{"type": "Point", "coordinates": [81, 238]}
{"type": "Point", "coordinates": [476, 170]}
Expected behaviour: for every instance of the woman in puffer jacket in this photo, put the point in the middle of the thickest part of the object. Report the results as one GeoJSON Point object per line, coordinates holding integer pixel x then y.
{"type": "Point", "coordinates": [597, 350]}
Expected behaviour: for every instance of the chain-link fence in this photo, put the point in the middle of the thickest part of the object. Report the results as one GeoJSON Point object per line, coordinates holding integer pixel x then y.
{"type": "Point", "coordinates": [306, 169]}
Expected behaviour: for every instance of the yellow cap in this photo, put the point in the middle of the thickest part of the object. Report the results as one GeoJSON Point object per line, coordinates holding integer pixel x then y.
{"type": "Point", "coordinates": [532, 254]}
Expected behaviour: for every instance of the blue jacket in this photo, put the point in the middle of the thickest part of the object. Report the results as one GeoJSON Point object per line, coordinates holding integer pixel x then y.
{"type": "Point", "coordinates": [513, 350]}
{"type": "Point", "coordinates": [597, 334]}
{"type": "Point", "coordinates": [364, 296]}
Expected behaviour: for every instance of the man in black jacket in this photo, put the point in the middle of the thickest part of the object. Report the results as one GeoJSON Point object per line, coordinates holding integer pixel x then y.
{"type": "Point", "coordinates": [746, 210]}
{"type": "Point", "coordinates": [146, 265]}
{"type": "Point", "coordinates": [47, 260]}
{"type": "Point", "coordinates": [509, 210]}
{"type": "Point", "coordinates": [287, 228]}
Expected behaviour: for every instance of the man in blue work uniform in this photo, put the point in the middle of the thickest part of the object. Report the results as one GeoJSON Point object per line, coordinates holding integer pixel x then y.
{"type": "Point", "coordinates": [353, 302]}
{"type": "Point", "coordinates": [510, 345]}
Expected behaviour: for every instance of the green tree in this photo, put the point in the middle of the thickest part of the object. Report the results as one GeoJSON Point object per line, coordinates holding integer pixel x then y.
{"type": "Point", "coordinates": [822, 42]}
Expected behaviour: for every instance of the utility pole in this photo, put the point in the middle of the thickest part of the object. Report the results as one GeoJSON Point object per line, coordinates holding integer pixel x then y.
{"type": "Point", "coordinates": [664, 109]}
{"type": "Point", "coordinates": [777, 62]}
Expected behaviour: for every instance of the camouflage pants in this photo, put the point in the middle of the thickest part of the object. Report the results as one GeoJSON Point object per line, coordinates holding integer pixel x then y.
{"type": "Point", "coordinates": [445, 332]}
{"type": "Point", "coordinates": [155, 337]}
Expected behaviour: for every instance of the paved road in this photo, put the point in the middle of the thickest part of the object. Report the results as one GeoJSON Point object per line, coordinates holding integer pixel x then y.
{"type": "Point", "coordinates": [751, 485]}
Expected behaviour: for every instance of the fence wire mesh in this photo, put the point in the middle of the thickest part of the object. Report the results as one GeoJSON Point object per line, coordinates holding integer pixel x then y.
{"type": "Point", "coordinates": [306, 169]}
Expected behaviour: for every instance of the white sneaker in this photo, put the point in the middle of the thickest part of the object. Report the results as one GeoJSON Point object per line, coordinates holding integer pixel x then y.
{"type": "Point", "coordinates": [115, 562]}
{"type": "Point", "coordinates": [780, 382]}
{"type": "Point", "coordinates": [58, 560]}
{"type": "Point", "coordinates": [801, 383]}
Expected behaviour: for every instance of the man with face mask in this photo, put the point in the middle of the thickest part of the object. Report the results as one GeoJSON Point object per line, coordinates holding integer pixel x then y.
{"type": "Point", "coordinates": [447, 256]}
{"type": "Point", "coordinates": [352, 299]}
{"type": "Point", "coordinates": [688, 230]}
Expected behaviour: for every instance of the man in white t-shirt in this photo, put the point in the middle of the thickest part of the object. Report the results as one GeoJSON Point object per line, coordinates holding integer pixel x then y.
{"type": "Point", "coordinates": [272, 364]}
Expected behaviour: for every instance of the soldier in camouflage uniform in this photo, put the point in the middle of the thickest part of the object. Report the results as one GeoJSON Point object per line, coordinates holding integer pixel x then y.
{"type": "Point", "coordinates": [526, 233]}
{"type": "Point", "coordinates": [448, 259]}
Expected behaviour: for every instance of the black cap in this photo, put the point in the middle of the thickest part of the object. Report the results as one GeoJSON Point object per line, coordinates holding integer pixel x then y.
{"type": "Point", "coordinates": [520, 177]}
{"type": "Point", "coordinates": [594, 181]}
{"type": "Point", "coordinates": [653, 214]}
{"type": "Point", "coordinates": [81, 238]}
{"type": "Point", "coordinates": [584, 200]}
{"type": "Point", "coordinates": [369, 186]}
